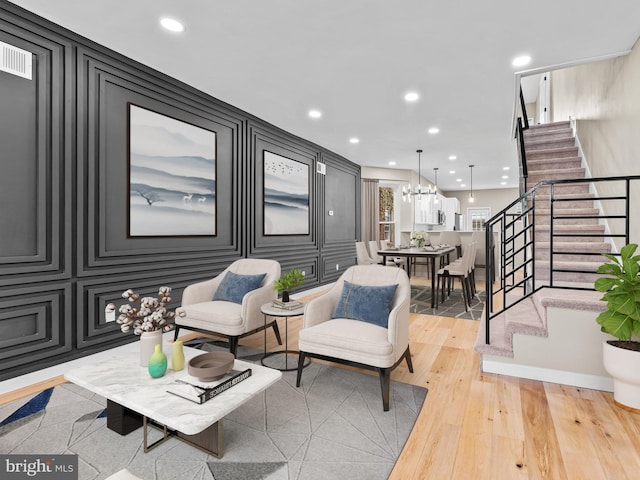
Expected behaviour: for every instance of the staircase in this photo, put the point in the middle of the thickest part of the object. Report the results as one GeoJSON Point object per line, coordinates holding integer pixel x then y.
{"type": "Point", "coordinates": [553, 155]}
{"type": "Point", "coordinates": [575, 244]}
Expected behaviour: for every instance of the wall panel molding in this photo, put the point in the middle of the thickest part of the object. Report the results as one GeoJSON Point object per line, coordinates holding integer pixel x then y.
{"type": "Point", "coordinates": [261, 139]}
{"type": "Point", "coordinates": [106, 94]}
{"type": "Point", "coordinates": [66, 252]}
{"type": "Point", "coordinates": [34, 326]}
{"type": "Point", "coordinates": [36, 162]}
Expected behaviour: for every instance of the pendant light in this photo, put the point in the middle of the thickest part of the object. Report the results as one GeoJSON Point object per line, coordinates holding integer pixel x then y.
{"type": "Point", "coordinates": [435, 185]}
{"type": "Point", "coordinates": [471, 199]}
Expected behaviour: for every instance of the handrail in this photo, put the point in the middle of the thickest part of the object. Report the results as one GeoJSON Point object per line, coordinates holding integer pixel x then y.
{"type": "Point", "coordinates": [517, 233]}
{"type": "Point", "coordinates": [522, 124]}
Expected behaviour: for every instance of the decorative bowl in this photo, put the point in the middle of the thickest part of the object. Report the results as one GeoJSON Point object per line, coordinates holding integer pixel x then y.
{"type": "Point", "coordinates": [210, 366]}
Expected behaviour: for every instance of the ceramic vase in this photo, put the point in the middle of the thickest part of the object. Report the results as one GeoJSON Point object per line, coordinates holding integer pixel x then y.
{"type": "Point", "coordinates": [177, 359]}
{"type": "Point", "coordinates": [157, 363]}
{"type": "Point", "coordinates": [148, 342]}
{"type": "Point", "coordinates": [285, 296]}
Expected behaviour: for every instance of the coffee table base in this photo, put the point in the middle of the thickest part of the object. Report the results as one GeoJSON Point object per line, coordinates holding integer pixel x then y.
{"type": "Point", "coordinates": [123, 420]}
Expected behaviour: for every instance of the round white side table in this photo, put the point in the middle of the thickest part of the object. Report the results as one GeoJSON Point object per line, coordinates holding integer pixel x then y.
{"type": "Point", "coordinates": [270, 310]}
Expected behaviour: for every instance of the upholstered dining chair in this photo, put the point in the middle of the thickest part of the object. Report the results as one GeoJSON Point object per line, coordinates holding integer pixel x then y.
{"type": "Point", "coordinates": [398, 261]}
{"type": "Point", "coordinates": [362, 255]}
{"type": "Point", "coordinates": [452, 238]}
{"type": "Point", "coordinates": [362, 321]}
{"type": "Point", "coordinates": [461, 270]}
{"type": "Point", "coordinates": [373, 253]}
{"type": "Point", "coordinates": [229, 304]}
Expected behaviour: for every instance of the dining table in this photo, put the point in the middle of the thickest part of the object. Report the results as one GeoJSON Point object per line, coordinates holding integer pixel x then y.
{"type": "Point", "coordinates": [436, 253]}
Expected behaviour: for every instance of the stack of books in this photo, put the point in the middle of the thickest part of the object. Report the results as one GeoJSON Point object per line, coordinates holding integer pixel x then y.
{"type": "Point", "coordinates": [292, 305]}
{"type": "Point", "coordinates": [192, 389]}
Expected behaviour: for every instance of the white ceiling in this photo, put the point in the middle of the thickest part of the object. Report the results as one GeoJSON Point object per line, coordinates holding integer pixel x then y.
{"type": "Point", "coordinates": [355, 59]}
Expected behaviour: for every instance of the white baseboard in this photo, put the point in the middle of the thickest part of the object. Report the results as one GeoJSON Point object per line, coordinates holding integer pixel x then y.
{"type": "Point", "coordinates": [593, 382]}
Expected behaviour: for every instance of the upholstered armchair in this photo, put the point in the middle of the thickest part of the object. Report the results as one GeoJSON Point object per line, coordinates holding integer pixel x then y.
{"type": "Point", "coordinates": [221, 307]}
{"type": "Point", "coordinates": [362, 321]}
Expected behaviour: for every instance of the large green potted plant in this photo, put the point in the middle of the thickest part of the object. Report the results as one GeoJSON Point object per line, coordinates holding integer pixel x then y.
{"type": "Point", "coordinates": [288, 281]}
{"type": "Point", "coordinates": [621, 287]}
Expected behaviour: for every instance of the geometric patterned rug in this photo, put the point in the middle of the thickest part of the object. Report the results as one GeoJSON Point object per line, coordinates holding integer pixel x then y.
{"type": "Point", "coordinates": [453, 306]}
{"type": "Point", "coordinates": [333, 426]}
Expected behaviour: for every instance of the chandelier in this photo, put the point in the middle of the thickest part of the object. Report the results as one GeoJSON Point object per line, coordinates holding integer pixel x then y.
{"type": "Point", "coordinates": [407, 193]}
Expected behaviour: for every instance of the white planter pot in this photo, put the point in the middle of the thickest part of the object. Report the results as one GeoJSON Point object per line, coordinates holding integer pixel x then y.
{"type": "Point", "coordinates": [622, 365]}
{"type": "Point", "coordinates": [148, 342]}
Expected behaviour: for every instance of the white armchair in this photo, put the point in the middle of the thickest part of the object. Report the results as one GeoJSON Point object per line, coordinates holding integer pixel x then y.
{"type": "Point", "coordinates": [355, 342]}
{"type": "Point", "coordinates": [200, 313]}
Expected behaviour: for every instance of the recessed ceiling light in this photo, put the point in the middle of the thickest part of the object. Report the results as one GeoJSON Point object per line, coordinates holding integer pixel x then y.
{"type": "Point", "coordinates": [433, 130]}
{"type": "Point", "coordinates": [506, 168]}
{"type": "Point", "coordinates": [452, 157]}
{"type": "Point", "coordinates": [463, 184]}
{"type": "Point", "coordinates": [521, 61]}
{"type": "Point", "coordinates": [171, 24]}
{"type": "Point", "coordinates": [392, 163]}
{"type": "Point", "coordinates": [505, 177]}
{"type": "Point", "coordinates": [503, 183]}
{"type": "Point", "coordinates": [458, 179]}
{"type": "Point", "coordinates": [354, 140]}
{"type": "Point", "coordinates": [452, 172]}
{"type": "Point", "coordinates": [411, 97]}
{"type": "Point", "coordinates": [315, 113]}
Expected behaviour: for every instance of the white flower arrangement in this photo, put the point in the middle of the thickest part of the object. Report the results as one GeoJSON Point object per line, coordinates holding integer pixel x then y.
{"type": "Point", "coordinates": [152, 314]}
{"type": "Point", "coordinates": [420, 237]}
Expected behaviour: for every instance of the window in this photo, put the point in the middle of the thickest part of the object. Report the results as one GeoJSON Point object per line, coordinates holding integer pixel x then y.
{"type": "Point", "coordinates": [477, 217]}
{"type": "Point", "coordinates": [386, 217]}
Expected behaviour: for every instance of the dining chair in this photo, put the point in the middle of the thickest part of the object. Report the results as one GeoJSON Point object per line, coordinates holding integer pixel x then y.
{"type": "Point", "coordinates": [362, 255]}
{"type": "Point", "coordinates": [373, 253]}
{"type": "Point", "coordinates": [451, 238]}
{"type": "Point", "coordinates": [398, 261]}
{"type": "Point", "coordinates": [458, 270]}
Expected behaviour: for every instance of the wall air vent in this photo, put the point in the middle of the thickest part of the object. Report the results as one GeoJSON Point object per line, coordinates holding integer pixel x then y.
{"type": "Point", "coordinates": [15, 61]}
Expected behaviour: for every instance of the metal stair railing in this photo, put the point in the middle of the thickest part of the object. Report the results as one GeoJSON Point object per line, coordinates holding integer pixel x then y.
{"type": "Point", "coordinates": [515, 230]}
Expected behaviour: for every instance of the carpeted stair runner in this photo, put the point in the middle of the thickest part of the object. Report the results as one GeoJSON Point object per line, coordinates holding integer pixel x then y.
{"type": "Point", "coordinates": [529, 317]}
{"type": "Point", "coordinates": [552, 155]}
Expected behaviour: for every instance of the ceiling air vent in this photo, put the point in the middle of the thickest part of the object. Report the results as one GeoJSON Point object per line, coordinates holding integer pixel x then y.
{"type": "Point", "coordinates": [15, 61]}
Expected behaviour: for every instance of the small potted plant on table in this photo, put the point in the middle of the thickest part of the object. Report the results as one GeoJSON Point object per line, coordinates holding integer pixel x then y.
{"type": "Point", "coordinates": [621, 357]}
{"type": "Point", "coordinates": [288, 281]}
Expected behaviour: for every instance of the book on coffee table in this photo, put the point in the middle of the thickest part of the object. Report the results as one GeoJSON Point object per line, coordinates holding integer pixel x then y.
{"type": "Point", "coordinates": [197, 391]}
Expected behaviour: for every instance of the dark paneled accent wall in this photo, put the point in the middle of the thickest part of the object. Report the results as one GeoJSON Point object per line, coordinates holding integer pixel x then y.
{"type": "Point", "coordinates": [64, 185]}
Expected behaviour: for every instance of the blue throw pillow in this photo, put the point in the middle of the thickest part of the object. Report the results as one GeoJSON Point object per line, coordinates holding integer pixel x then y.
{"type": "Point", "coordinates": [366, 303]}
{"type": "Point", "coordinates": [234, 287]}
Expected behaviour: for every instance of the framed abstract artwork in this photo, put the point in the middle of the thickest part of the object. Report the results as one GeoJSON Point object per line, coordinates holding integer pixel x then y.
{"type": "Point", "coordinates": [172, 176]}
{"type": "Point", "coordinates": [286, 196]}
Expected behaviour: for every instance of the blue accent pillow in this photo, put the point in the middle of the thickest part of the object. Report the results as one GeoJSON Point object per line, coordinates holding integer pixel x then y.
{"type": "Point", "coordinates": [234, 287]}
{"type": "Point", "coordinates": [366, 303]}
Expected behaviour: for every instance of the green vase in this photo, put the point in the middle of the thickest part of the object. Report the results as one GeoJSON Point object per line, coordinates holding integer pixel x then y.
{"type": "Point", "coordinates": [157, 363]}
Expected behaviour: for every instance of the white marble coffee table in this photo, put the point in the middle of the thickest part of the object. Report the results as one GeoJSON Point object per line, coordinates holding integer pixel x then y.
{"type": "Point", "coordinates": [136, 399]}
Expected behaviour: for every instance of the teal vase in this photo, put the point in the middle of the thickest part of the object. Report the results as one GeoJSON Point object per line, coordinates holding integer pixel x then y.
{"type": "Point", "coordinates": [157, 363]}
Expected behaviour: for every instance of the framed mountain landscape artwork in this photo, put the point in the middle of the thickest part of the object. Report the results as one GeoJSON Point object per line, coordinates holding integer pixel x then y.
{"type": "Point", "coordinates": [172, 176]}
{"type": "Point", "coordinates": [286, 196]}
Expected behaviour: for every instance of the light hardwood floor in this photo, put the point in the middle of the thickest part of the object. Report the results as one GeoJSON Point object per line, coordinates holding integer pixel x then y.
{"type": "Point", "coordinates": [485, 426]}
